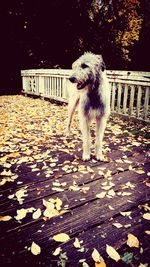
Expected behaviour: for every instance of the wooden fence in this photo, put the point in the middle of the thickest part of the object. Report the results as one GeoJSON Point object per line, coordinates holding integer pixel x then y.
{"type": "Point", "coordinates": [129, 89]}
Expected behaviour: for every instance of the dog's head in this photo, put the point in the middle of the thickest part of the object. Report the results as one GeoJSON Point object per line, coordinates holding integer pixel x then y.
{"type": "Point", "coordinates": [86, 71]}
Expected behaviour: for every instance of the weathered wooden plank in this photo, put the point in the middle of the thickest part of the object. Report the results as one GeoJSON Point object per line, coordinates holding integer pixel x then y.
{"type": "Point", "coordinates": [45, 188]}
{"type": "Point", "coordinates": [80, 197]}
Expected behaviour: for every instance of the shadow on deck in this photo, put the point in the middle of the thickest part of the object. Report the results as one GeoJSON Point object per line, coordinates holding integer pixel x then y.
{"type": "Point", "coordinates": [46, 189]}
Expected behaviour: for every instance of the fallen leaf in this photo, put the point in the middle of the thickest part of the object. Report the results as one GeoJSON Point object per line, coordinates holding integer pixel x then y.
{"type": "Point", "coordinates": [62, 237]}
{"type": "Point", "coordinates": [140, 171]}
{"type": "Point", "coordinates": [100, 264]}
{"type": "Point", "coordinates": [147, 232]}
{"type": "Point", "coordinates": [5, 218]}
{"type": "Point", "coordinates": [57, 251]}
{"type": "Point", "coordinates": [113, 254]}
{"type": "Point", "coordinates": [36, 214]}
{"type": "Point", "coordinates": [96, 256]}
{"type": "Point", "coordinates": [146, 216]}
{"type": "Point", "coordinates": [101, 195]}
{"type": "Point", "coordinates": [125, 213]}
{"type": "Point", "coordinates": [76, 243]}
{"type": "Point", "coordinates": [35, 249]}
{"type": "Point", "coordinates": [133, 241]}
{"type": "Point", "coordinates": [117, 225]}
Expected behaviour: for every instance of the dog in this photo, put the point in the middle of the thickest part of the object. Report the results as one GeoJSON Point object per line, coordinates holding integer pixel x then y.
{"type": "Point", "coordinates": [91, 93]}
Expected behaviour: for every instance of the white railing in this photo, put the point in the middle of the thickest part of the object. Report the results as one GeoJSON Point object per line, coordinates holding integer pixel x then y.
{"type": "Point", "coordinates": [129, 90]}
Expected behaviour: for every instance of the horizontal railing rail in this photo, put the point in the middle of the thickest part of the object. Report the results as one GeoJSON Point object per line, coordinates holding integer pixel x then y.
{"type": "Point", "coordinates": [129, 89]}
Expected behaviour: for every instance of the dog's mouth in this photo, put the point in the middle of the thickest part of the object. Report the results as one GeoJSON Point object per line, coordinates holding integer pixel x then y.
{"type": "Point", "coordinates": [82, 85]}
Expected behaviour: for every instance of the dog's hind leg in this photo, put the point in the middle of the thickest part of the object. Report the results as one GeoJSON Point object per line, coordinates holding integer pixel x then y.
{"type": "Point", "coordinates": [85, 129]}
{"type": "Point", "coordinates": [100, 128]}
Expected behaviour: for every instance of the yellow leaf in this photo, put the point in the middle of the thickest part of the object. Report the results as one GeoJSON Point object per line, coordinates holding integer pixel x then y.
{"type": "Point", "coordinates": [96, 256]}
{"type": "Point", "coordinates": [35, 249]}
{"type": "Point", "coordinates": [133, 241]}
{"type": "Point", "coordinates": [36, 214]}
{"type": "Point", "coordinates": [62, 237]}
{"type": "Point", "coordinates": [140, 171]}
{"type": "Point", "coordinates": [120, 169]}
{"type": "Point", "coordinates": [76, 243]}
{"type": "Point", "coordinates": [58, 203]}
{"type": "Point", "coordinates": [147, 232]}
{"type": "Point", "coordinates": [113, 254]}
{"type": "Point", "coordinates": [57, 251]}
{"type": "Point", "coordinates": [146, 216]}
{"type": "Point", "coordinates": [5, 218]}
{"type": "Point", "coordinates": [101, 195]}
{"type": "Point", "coordinates": [117, 225]}
{"type": "Point", "coordinates": [125, 213]}
{"type": "Point", "coordinates": [100, 264]}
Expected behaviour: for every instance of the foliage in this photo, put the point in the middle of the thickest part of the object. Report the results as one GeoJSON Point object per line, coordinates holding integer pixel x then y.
{"type": "Point", "coordinates": [51, 34]}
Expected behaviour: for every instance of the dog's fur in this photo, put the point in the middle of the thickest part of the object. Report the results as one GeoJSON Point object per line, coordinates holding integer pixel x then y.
{"type": "Point", "coordinates": [92, 95]}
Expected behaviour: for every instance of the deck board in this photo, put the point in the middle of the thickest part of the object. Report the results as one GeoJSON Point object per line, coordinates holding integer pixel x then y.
{"type": "Point", "coordinates": [47, 164]}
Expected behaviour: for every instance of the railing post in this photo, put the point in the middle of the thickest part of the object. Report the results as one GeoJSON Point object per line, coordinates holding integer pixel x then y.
{"type": "Point", "coordinates": [139, 101]}
{"type": "Point", "coordinates": [146, 102]}
{"type": "Point", "coordinates": [41, 85]}
{"type": "Point", "coordinates": [125, 98]}
{"type": "Point", "coordinates": [113, 96]}
{"type": "Point", "coordinates": [131, 99]}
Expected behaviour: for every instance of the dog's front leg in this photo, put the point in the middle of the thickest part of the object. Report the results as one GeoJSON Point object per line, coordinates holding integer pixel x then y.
{"type": "Point", "coordinates": [100, 128]}
{"type": "Point", "coordinates": [73, 102]}
{"type": "Point", "coordinates": [85, 129]}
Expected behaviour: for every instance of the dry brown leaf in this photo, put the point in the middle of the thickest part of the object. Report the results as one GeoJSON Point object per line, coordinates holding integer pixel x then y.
{"type": "Point", "coordinates": [113, 254]}
{"type": "Point", "coordinates": [133, 241]}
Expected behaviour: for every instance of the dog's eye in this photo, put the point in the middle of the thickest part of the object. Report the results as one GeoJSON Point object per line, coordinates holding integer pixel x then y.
{"type": "Point", "coordinates": [84, 66]}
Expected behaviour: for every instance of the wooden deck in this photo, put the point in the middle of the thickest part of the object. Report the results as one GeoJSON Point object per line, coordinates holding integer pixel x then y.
{"type": "Point", "coordinates": [94, 203]}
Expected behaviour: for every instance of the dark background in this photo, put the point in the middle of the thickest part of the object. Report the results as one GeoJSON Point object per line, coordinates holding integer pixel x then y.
{"type": "Point", "coordinates": [53, 33]}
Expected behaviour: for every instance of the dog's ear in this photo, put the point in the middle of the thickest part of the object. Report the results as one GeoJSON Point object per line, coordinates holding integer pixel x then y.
{"type": "Point", "coordinates": [102, 65]}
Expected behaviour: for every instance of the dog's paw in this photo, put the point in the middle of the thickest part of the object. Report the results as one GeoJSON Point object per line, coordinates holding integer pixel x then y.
{"type": "Point", "coordinates": [67, 132]}
{"type": "Point", "coordinates": [100, 157]}
{"type": "Point", "coordinates": [85, 157]}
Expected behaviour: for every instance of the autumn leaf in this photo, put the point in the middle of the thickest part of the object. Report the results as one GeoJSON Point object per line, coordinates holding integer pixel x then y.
{"type": "Point", "coordinates": [62, 237]}
{"type": "Point", "coordinates": [140, 171]}
{"type": "Point", "coordinates": [100, 264]}
{"type": "Point", "coordinates": [117, 225]}
{"type": "Point", "coordinates": [96, 256]}
{"type": "Point", "coordinates": [5, 218]}
{"type": "Point", "coordinates": [57, 251]}
{"type": "Point", "coordinates": [146, 216]}
{"type": "Point", "coordinates": [133, 241]}
{"type": "Point", "coordinates": [36, 214]}
{"type": "Point", "coordinates": [101, 195]}
{"type": "Point", "coordinates": [113, 254]}
{"type": "Point", "coordinates": [35, 249]}
{"type": "Point", "coordinates": [76, 243]}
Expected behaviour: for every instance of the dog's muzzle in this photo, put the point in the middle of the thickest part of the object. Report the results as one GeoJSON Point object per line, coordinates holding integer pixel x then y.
{"type": "Point", "coordinates": [80, 85]}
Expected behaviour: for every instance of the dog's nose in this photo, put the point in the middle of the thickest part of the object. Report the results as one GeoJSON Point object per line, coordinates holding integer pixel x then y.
{"type": "Point", "coordinates": [72, 79]}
